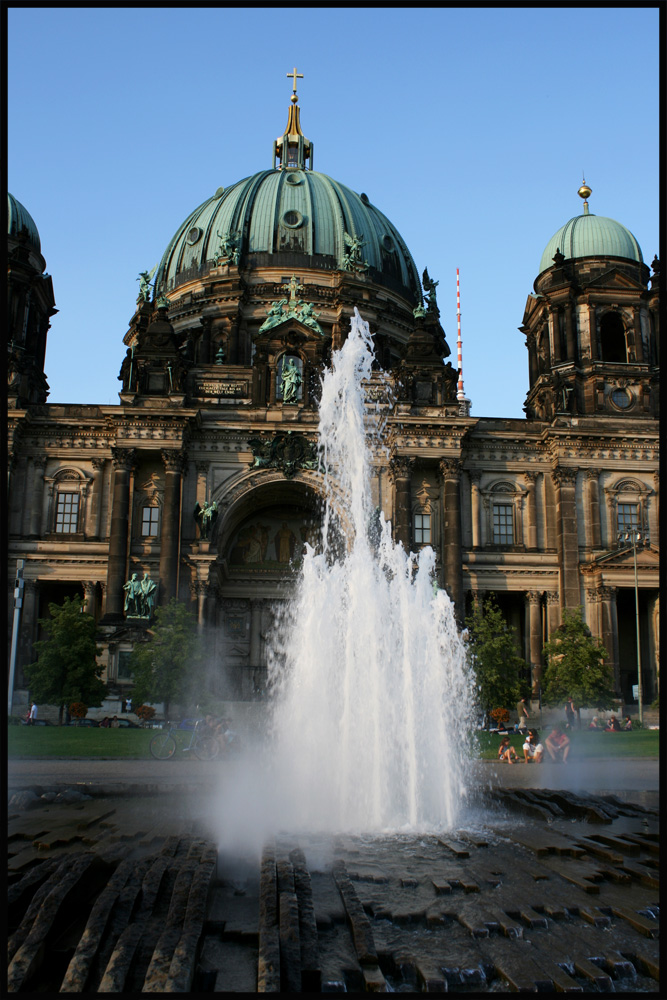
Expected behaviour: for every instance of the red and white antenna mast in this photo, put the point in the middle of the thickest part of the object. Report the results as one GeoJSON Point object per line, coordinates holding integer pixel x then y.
{"type": "Point", "coordinates": [460, 395]}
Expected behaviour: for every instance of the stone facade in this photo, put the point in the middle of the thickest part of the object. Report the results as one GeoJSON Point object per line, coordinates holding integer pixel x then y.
{"type": "Point", "coordinates": [528, 510]}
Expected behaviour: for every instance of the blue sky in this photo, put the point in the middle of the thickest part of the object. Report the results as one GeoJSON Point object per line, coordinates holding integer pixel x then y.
{"type": "Point", "coordinates": [469, 128]}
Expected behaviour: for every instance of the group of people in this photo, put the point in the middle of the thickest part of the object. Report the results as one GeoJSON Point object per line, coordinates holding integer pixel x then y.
{"type": "Point", "coordinates": [220, 730]}
{"type": "Point", "coordinates": [613, 725]}
{"type": "Point", "coordinates": [557, 745]}
{"type": "Point", "coordinates": [108, 723]}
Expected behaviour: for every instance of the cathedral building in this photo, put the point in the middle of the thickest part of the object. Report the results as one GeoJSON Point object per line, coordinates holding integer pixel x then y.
{"type": "Point", "coordinates": [202, 483]}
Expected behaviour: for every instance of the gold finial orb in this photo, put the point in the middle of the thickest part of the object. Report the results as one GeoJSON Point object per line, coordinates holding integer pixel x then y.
{"type": "Point", "coordinates": [584, 191]}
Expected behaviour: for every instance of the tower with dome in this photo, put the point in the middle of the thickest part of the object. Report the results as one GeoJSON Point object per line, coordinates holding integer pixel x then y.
{"type": "Point", "coordinates": [204, 477]}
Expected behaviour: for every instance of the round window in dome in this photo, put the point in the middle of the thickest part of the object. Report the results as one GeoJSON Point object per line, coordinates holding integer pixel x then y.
{"type": "Point", "coordinates": [364, 198]}
{"type": "Point", "coordinates": [194, 234]}
{"type": "Point", "coordinates": [292, 219]}
{"type": "Point", "coordinates": [388, 243]}
{"type": "Point", "coordinates": [293, 179]}
{"type": "Point", "coordinates": [621, 398]}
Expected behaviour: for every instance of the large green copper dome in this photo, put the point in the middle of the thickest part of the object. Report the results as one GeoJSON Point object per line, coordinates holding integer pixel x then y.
{"type": "Point", "coordinates": [19, 218]}
{"type": "Point", "coordinates": [590, 235]}
{"type": "Point", "coordinates": [292, 212]}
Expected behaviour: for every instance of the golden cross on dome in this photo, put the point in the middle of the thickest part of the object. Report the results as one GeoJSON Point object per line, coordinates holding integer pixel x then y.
{"type": "Point", "coordinates": [294, 76]}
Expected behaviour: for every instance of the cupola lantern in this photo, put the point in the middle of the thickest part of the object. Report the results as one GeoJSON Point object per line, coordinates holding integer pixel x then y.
{"type": "Point", "coordinates": [292, 149]}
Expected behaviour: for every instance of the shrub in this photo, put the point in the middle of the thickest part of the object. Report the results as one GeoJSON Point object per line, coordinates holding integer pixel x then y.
{"type": "Point", "coordinates": [500, 715]}
{"type": "Point", "coordinates": [145, 712]}
{"type": "Point", "coordinates": [78, 710]}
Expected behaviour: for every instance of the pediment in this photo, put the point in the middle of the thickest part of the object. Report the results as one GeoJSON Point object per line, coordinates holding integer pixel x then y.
{"type": "Point", "coordinates": [615, 278]}
{"type": "Point", "coordinates": [647, 558]}
{"type": "Point", "coordinates": [289, 331]}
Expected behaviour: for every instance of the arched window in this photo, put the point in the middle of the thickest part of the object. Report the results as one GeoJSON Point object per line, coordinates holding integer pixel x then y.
{"type": "Point", "coordinates": [67, 489]}
{"type": "Point", "coordinates": [503, 503]}
{"type": "Point", "coordinates": [612, 338]}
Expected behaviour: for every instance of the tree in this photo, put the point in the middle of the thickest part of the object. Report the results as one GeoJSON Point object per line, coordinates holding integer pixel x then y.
{"type": "Point", "coordinates": [576, 667]}
{"type": "Point", "coordinates": [167, 667]}
{"type": "Point", "coordinates": [498, 667]}
{"type": "Point", "coordinates": [66, 669]}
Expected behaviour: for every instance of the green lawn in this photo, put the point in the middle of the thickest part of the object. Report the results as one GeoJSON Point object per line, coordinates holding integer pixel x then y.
{"type": "Point", "coordinates": [70, 741]}
{"type": "Point", "coordinates": [585, 743]}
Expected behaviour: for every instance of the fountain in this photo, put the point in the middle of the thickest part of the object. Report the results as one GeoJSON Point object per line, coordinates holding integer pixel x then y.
{"type": "Point", "coordinates": [370, 685]}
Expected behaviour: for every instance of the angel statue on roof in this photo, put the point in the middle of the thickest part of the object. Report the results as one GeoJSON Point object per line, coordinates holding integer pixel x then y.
{"type": "Point", "coordinates": [144, 279]}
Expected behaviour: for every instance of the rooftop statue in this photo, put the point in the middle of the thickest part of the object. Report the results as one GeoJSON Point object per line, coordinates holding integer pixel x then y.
{"type": "Point", "coordinates": [205, 515]}
{"type": "Point", "coordinates": [430, 287]}
{"type": "Point", "coordinates": [228, 252]}
{"type": "Point", "coordinates": [144, 279]}
{"type": "Point", "coordinates": [352, 259]}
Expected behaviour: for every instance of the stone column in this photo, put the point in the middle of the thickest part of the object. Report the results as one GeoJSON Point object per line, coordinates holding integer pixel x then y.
{"type": "Point", "coordinates": [88, 597]}
{"type": "Point", "coordinates": [37, 496]}
{"type": "Point", "coordinates": [531, 511]}
{"type": "Point", "coordinates": [255, 632]}
{"type": "Point", "coordinates": [199, 590]}
{"type": "Point", "coordinates": [594, 534]}
{"type": "Point", "coordinates": [95, 511]}
{"type": "Point", "coordinates": [533, 371]}
{"type": "Point", "coordinates": [19, 510]}
{"type": "Point", "coordinates": [609, 636]}
{"type": "Point", "coordinates": [570, 333]}
{"type": "Point", "coordinates": [592, 332]}
{"type": "Point", "coordinates": [534, 600]}
{"type": "Point", "coordinates": [28, 631]}
{"type": "Point", "coordinates": [567, 540]}
{"type": "Point", "coordinates": [555, 334]}
{"type": "Point", "coordinates": [553, 612]}
{"type": "Point", "coordinates": [475, 478]}
{"type": "Point", "coordinates": [400, 471]}
{"type": "Point", "coordinates": [103, 599]}
{"type": "Point", "coordinates": [639, 346]}
{"type": "Point", "coordinates": [171, 525]}
{"type": "Point", "coordinates": [450, 472]}
{"type": "Point", "coordinates": [593, 611]}
{"type": "Point", "coordinates": [123, 460]}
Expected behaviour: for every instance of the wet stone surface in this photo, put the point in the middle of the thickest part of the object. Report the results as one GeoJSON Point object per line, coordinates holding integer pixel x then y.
{"type": "Point", "coordinates": [541, 891]}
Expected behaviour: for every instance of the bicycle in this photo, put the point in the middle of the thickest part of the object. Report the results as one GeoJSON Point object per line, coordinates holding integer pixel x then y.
{"type": "Point", "coordinates": [163, 746]}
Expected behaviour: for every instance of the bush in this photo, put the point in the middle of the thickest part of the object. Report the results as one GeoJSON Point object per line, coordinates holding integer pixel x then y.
{"type": "Point", "coordinates": [78, 710]}
{"type": "Point", "coordinates": [500, 715]}
{"type": "Point", "coordinates": [14, 720]}
{"type": "Point", "coordinates": [145, 712]}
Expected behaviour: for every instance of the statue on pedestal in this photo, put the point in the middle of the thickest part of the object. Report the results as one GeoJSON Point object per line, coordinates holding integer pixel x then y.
{"type": "Point", "coordinates": [205, 516]}
{"type": "Point", "coordinates": [148, 588]}
{"type": "Point", "coordinates": [133, 598]}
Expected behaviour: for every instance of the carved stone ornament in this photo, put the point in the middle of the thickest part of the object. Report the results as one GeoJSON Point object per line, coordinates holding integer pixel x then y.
{"type": "Point", "coordinates": [123, 458]}
{"type": "Point", "coordinates": [564, 477]}
{"type": "Point", "coordinates": [288, 452]}
{"type": "Point", "coordinates": [450, 468]}
{"type": "Point", "coordinates": [292, 308]}
{"type": "Point", "coordinates": [400, 467]}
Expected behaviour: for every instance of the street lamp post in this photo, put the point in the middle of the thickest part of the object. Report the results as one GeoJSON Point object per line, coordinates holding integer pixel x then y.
{"type": "Point", "coordinates": [633, 536]}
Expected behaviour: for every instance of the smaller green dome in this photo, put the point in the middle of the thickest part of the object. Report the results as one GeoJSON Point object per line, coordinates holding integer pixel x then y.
{"type": "Point", "coordinates": [591, 236]}
{"type": "Point", "coordinates": [19, 218]}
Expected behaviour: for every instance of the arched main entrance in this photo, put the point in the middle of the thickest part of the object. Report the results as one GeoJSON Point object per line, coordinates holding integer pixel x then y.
{"type": "Point", "coordinates": [260, 546]}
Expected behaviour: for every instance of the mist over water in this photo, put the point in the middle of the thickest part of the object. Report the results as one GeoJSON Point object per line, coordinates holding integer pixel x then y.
{"type": "Point", "coordinates": [370, 690]}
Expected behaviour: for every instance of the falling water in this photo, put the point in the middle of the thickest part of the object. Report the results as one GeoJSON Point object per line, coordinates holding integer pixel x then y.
{"type": "Point", "coordinates": [372, 695]}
